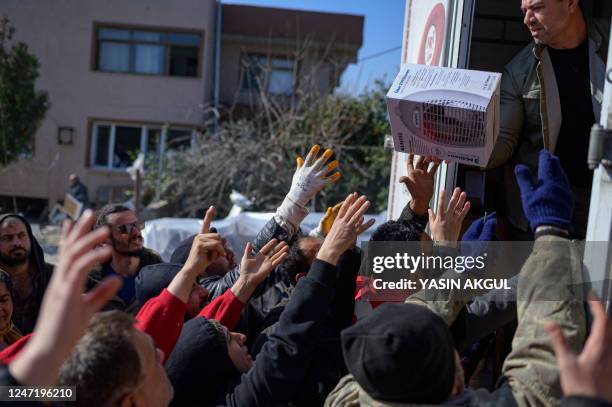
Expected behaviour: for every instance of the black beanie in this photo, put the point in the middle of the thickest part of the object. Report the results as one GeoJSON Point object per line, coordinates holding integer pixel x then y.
{"type": "Point", "coordinates": [401, 353]}
{"type": "Point", "coordinates": [152, 279]}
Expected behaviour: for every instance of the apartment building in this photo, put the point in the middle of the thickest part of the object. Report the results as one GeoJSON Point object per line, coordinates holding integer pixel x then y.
{"type": "Point", "coordinates": [130, 76]}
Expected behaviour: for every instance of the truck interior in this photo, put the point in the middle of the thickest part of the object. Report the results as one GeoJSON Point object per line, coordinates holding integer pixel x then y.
{"type": "Point", "coordinates": [498, 33]}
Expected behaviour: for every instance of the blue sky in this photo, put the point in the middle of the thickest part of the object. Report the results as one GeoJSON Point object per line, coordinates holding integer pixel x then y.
{"type": "Point", "coordinates": [383, 26]}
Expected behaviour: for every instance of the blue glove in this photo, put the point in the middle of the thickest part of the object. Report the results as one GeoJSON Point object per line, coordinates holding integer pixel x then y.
{"type": "Point", "coordinates": [550, 201]}
{"type": "Point", "coordinates": [482, 229]}
{"type": "Point", "coordinates": [475, 240]}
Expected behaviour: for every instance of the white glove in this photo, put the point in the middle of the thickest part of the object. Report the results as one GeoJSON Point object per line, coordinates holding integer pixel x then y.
{"type": "Point", "coordinates": [310, 176]}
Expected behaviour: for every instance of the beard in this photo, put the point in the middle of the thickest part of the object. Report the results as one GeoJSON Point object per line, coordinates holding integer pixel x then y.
{"type": "Point", "coordinates": [14, 259]}
{"type": "Point", "coordinates": [126, 251]}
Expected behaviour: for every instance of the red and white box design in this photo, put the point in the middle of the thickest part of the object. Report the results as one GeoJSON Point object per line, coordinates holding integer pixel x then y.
{"type": "Point", "coordinates": [449, 113]}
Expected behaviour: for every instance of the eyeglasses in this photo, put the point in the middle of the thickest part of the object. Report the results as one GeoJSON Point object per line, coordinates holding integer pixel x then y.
{"type": "Point", "coordinates": [127, 228]}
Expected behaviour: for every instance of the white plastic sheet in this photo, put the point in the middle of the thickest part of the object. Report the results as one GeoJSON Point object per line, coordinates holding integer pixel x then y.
{"type": "Point", "coordinates": [164, 234]}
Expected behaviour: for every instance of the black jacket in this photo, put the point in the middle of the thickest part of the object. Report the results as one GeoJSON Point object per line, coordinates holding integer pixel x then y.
{"type": "Point", "coordinates": [280, 367]}
{"type": "Point", "coordinates": [268, 294]}
{"type": "Point", "coordinates": [26, 310]}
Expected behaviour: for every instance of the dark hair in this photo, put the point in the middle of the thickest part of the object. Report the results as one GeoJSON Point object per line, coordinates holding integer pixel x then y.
{"type": "Point", "coordinates": [296, 261]}
{"type": "Point", "coordinates": [108, 209]}
{"type": "Point", "coordinates": [397, 231]}
{"type": "Point", "coordinates": [6, 279]}
{"type": "Point", "coordinates": [105, 364]}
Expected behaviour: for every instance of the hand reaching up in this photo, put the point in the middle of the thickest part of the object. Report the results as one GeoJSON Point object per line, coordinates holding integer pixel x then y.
{"type": "Point", "coordinates": [589, 373]}
{"type": "Point", "coordinates": [346, 227]}
{"type": "Point", "coordinates": [446, 224]}
{"type": "Point", "coordinates": [65, 311]}
{"type": "Point", "coordinates": [254, 269]}
{"type": "Point", "coordinates": [420, 180]}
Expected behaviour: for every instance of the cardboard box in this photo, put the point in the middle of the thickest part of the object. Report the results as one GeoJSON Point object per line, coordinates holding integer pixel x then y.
{"type": "Point", "coordinates": [449, 113]}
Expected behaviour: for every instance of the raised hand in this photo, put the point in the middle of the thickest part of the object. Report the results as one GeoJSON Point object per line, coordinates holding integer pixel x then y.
{"type": "Point", "coordinates": [549, 201]}
{"type": "Point", "coordinates": [420, 181]}
{"type": "Point", "coordinates": [254, 269]}
{"type": "Point", "coordinates": [586, 374]}
{"type": "Point", "coordinates": [65, 311]}
{"type": "Point", "coordinates": [346, 227]}
{"type": "Point", "coordinates": [206, 247]}
{"type": "Point", "coordinates": [446, 224]}
{"type": "Point", "coordinates": [311, 175]}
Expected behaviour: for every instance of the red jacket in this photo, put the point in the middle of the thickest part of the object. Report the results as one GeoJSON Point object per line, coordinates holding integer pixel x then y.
{"type": "Point", "coordinates": [162, 317]}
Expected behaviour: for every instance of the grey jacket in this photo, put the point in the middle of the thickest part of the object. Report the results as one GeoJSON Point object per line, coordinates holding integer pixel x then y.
{"type": "Point", "coordinates": [531, 111]}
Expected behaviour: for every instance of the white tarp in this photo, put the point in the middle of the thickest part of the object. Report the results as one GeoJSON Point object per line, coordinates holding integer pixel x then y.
{"type": "Point", "coordinates": [164, 234]}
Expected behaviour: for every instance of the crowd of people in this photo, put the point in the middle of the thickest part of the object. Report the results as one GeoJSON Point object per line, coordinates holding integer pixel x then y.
{"type": "Point", "coordinates": [279, 328]}
{"type": "Point", "coordinates": [290, 323]}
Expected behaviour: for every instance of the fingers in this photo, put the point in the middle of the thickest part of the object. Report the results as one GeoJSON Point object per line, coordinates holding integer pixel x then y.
{"type": "Point", "coordinates": [310, 158]}
{"type": "Point", "coordinates": [323, 159]}
{"type": "Point", "coordinates": [453, 203]}
{"type": "Point", "coordinates": [420, 162]}
{"type": "Point", "coordinates": [431, 215]}
{"type": "Point", "coordinates": [299, 162]}
{"type": "Point", "coordinates": [434, 167]}
{"type": "Point", "coordinates": [208, 217]}
{"type": "Point", "coordinates": [410, 163]}
{"type": "Point", "coordinates": [268, 247]}
{"type": "Point", "coordinates": [600, 328]}
{"type": "Point", "coordinates": [441, 201]}
{"type": "Point", "coordinates": [346, 204]}
{"type": "Point", "coordinates": [330, 167]}
{"type": "Point", "coordinates": [102, 293]}
{"type": "Point", "coordinates": [82, 246]}
{"type": "Point", "coordinates": [80, 267]}
{"type": "Point", "coordinates": [333, 178]}
{"type": "Point", "coordinates": [361, 207]}
{"type": "Point", "coordinates": [559, 343]}
{"type": "Point", "coordinates": [248, 249]}
{"type": "Point", "coordinates": [524, 178]}
{"type": "Point", "coordinates": [280, 256]}
{"type": "Point", "coordinates": [366, 226]}
{"type": "Point", "coordinates": [82, 226]}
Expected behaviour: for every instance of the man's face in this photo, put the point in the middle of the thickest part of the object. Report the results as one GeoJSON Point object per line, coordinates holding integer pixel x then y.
{"type": "Point", "coordinates": [125, 237]}
{"type": "Point", "coordinates": [6, 306]}
{"type": "Point", "coordinates": [547, 20]}
{"type": "Point", "coordinates": [238, 352]}
{"type": "Point", "coordinates": [222, 264]}
{"type": "Point", "coordinates": [15, 243]}
{"type": "Point", "coordinates": [155, 389]}
{"type": "Point", "coordinates": [197, 300]}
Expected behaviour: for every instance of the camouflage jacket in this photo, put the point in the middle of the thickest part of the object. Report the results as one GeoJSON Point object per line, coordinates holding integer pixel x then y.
{"type": "Point", "coordinates": [530, 376]}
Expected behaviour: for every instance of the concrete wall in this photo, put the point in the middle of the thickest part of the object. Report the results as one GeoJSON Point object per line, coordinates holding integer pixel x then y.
{"type": "Point", "coordinates": [60, 34]}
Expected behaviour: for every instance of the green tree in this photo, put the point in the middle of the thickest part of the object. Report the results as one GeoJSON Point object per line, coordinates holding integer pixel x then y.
{"type": "Point", "coordinates": [22, 108]}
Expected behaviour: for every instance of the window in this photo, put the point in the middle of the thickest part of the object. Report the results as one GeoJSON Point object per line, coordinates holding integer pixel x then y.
{"type": "Point", "coordinates": [116, 146]}
{"type": "Point", "coordinates": [147, 52]}
{"type": "Point", "coordinates": [274, 74]}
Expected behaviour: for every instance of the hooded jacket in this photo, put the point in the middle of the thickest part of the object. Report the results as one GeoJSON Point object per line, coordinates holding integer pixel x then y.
{"type": "Point", "coordinates": [202, 374]}
{"type": "Point", "coordinates": [26, 310]}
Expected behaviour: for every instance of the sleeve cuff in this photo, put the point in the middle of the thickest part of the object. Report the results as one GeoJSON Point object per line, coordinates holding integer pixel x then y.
{"type": "Point", "coordinates": [289, 215]}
